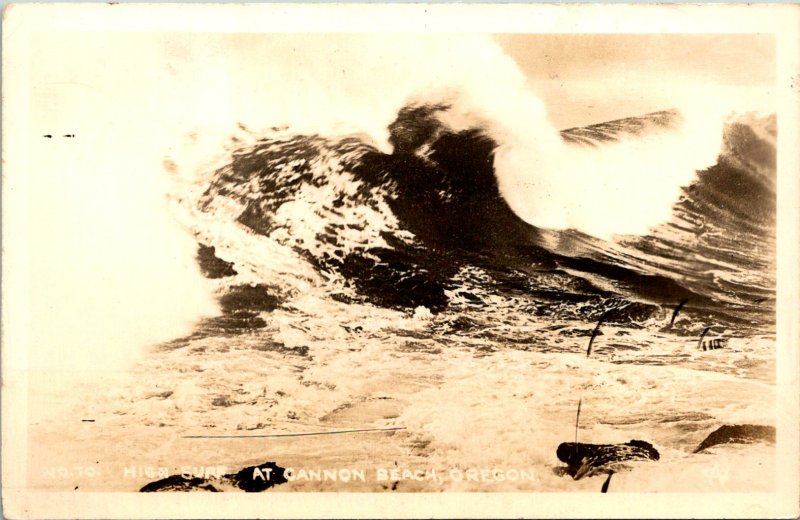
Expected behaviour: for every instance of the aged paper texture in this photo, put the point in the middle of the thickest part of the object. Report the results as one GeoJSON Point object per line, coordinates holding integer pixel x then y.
{"type": "Point", "coordinates": [400, 261]}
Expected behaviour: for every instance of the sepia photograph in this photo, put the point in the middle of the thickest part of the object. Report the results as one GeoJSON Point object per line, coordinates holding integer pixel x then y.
{"type": "Point", "coordinates": [371, 254]}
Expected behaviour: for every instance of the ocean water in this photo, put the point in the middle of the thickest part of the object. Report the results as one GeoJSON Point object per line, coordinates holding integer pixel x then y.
{"type": "Point", "coordinates": [443, 293]}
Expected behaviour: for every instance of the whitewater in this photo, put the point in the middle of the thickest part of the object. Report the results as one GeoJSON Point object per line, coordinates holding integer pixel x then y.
{"type": "Point", "coordinates": [418, 249]}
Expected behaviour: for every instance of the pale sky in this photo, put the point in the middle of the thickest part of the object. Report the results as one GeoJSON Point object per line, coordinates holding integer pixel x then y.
{"type": "Point", "coordinates": [590, 78]}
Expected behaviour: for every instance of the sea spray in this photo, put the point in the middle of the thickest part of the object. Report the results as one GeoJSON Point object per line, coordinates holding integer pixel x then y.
{"type": "Point", "coordinates": [155, 114]}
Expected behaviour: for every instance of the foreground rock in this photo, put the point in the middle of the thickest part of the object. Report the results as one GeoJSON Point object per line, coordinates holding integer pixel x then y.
{"type": "Point", "coordinates": [739, 434]}
{"type": "Point", "coordinates": [590, 459]}
{"type": "Point", "coordinates": [180, 483]}
{"type": "Point", "coordinates": [252, 479]}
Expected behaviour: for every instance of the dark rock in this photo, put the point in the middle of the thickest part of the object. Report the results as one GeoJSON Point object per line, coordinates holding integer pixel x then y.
{"type": "Point", "coordinates": [739, 434]}
{"type": "Point", "coordinates": [252, 479]}
{"type": "Point", "coordinates": [179, 483]}
{"type": "Point", "coordinates": [588, 459]}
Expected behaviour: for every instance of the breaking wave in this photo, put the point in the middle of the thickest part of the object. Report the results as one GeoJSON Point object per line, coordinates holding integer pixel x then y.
{"type": "Point", "coordinates": [454, 216]}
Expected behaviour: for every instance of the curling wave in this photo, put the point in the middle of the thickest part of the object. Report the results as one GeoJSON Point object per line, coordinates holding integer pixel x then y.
{"type": "Point", "coordinates": [430, 223]}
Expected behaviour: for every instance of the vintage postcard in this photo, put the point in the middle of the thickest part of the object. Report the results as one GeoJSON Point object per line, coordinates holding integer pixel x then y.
{"type": "Point", "coordinates": [400, 261]}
